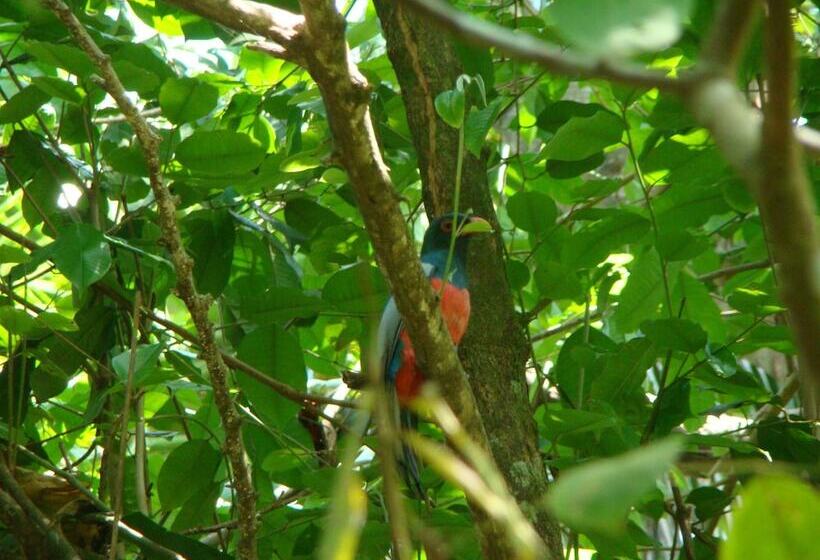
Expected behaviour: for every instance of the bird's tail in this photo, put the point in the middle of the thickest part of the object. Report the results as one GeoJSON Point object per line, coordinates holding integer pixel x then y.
{"type": "Point", "coordinates": [408, 461]}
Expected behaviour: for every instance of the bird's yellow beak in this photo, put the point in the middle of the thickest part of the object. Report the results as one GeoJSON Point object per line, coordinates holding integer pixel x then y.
{"type": "Point", "coordinates": [474, 225]}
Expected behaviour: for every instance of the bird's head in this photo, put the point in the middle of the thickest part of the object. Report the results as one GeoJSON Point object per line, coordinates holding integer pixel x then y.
{"type": "Point", "coordinates": [440, 232]}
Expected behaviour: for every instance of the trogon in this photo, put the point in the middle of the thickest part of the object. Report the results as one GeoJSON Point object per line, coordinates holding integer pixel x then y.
{"type": "Point", "coordinates": [396, 356]}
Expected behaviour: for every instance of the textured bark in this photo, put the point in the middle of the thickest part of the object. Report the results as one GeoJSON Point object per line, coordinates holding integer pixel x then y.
{"type": "Point", "coordinates": [495, 349]}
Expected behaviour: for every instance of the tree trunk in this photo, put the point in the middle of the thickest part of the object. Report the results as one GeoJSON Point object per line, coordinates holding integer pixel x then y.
{"type": "Point", "coordinates": [495, 350]}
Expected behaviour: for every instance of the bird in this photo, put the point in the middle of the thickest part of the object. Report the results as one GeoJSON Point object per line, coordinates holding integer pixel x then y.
{"type": "Point", "coordinates": [394, 349]}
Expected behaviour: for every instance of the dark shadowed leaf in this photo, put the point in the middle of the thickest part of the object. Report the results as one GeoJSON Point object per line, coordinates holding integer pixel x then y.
{"type": "Point", "coordinates": [186, 99]}
{"type": "Point", "coordinates": [675, 334]}
{"type": "Point", "coordinates": [188, 470]}
{"type": "Point", "coordinates": [532, 211]}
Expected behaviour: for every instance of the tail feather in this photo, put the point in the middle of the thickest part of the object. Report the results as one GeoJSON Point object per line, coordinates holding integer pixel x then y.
{"type": "Point", "coordinates": [409, 462]}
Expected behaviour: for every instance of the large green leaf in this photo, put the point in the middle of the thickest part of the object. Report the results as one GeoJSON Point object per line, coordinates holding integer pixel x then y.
{"type": "Point", "coordinates": [556, 281]}
{"type": "Point", "coordinates": [220, 152]}
{"type": "Point", "coordinates": [276, 353]}
{"type": "Point", "coordinates": [188, 470]}
{"type": "Point", "coordinates": [614, 28]}
{"type": "Point", "coordinates": [55, 87]}
{"type": "Point", "coordinates": [356, 289]}
{"type": "Point", "coordinates": [156, 533]}
{"type": "Point", "coordinates": [82, 254]}
{"type": "Point", "coordinates": [595, 242]}
{"type": "Point", "coordinates": [186, 99]}
{"type": "Point", "coordinates": [263, 303]}
{"type": "Point", "coordinates": [642, 294]}
{"type": "Point", "coordinates": [583, 137]}
{"type": "Point", "coordinates": [212, 235]}
{"type": "Point", "coordinates": [532, 211]}
{"type": "Point", "coordinates": [675, 334]}
{"type": "Point", "coordinates": [22, 104]}
{"type": "Point", "coordinates": [624, 371]}
{"type": "Point", "coordinates": [776, 521]}
{"type": "Point", "coordinates": [597, 496]}
{"type": "Point", "coordinates": [62, 56]}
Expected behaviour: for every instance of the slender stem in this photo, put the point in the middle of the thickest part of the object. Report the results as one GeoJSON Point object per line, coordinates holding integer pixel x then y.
{"type": "Point", "coordinates": [116, 491]}
{"type": "Point", "coordinates": [456, 202]}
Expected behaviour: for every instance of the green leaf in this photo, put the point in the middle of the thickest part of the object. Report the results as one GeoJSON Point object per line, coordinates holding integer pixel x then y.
{"type": "Point", "coordinates": [680, 245]}
{"type": "Point", "coordinates": [22, 104]}
{"type": "Point", "coordinates": [478, 124]}
{"type": "Point", "coordinates": [598, 496]}
{"type": "Point", "coordinates": [571, 421]}
{"type": "Point", "coordinates": [212, 236]}
{"type": "Point", "coordinates": [556, 281]}
{"type": "Point", "coordinates": [156, 533]}
{"type": "Point", "coordinates": [128, 160]}
{"type": "Point", "coordinates": [708, 501]}
{"type": "Point", "coordinates": [583, 137]}
{"type": "Point", "coordinates": [82, 254]}
{"type": "Point", "coordinates": [135, 77]}
{"type": "Point", "coordinates": [642, 294]}
{"type": "Point", "coordinates": [450, 107]}
{"type": "Point", "coordinates": [300, 162]}
{"type": "Point", "coordinates": [17, 321]}
{"type": "Point", "coordinates": [576, 354]}
{"type": "Point", "coordinates": [188, 470]}
{"type": "Point", "coordinates": [186, 99]}
{"type": "Point", "coordinates": [219, 152]}
{"type": "Point", "coordinates": [356, 289]}
{"type": "Point", "coordinates": [63, 56]}
{"type": "Point", "coordinates": [145, 362]}
{"type": "Point", "coordinates": [618, 28]}
{"type": "Point", "coordinates": [624, 371]}
{"type": "Point", "coordinates": [276, 353]}
{"type": "Point", "coordinates": [262, 303]}
{"type": "Point", "coordinates": [595, 242]}
{"type": "Point", "coordinates": [690, 206]}
{"type": "Point", "coordinates": [776, 521]}
{"type": "Point", "coordinates": [55, 87]}
{"type": "Point", "coordinates": [700, 307]}
{"type": "Point", "coordinates": [675, 334]}
{"type": "Point", "coordinates": [532, 211]}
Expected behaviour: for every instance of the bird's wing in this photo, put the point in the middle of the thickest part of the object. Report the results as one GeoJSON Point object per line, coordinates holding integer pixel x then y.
{"type": "Point", "coordinates": [388, 358]}
{"type": "Point", "coordinates": [388, 337]}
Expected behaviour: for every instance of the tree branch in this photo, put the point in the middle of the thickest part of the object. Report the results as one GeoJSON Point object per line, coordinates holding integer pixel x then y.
{"type": "Point", "coordinates": [275, 24]}
{"type": "Point", "coordinates": [346, 95]}
{"type": "Point", "coordinates": [526, 47]}
{"type": "Point", "coordinates": [197, 305]}
{"type": "Point", "coordinates": [787, 203]}
{"type": "Point", "coordinates": [724, 44]}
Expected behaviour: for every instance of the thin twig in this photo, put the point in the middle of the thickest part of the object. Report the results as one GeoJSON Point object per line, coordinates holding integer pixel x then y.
{"type": "Point", "coordinates": [116, 491]}
{"type": "Point", "coordinates": [682, 517]}
{"type": "Point", "coordinates": [732, 270]}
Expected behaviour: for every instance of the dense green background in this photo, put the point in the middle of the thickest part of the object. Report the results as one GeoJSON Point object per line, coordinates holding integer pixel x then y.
{"type": "Point", "coordinates": [619, 219]}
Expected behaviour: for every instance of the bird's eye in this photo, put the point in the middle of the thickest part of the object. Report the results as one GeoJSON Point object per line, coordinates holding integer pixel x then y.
{"type": "Point", "coordinates": [447, 226]}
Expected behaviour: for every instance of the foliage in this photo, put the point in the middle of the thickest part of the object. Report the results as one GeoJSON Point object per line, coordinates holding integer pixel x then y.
{"type": "Point", "coordinates": [636, 256]}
